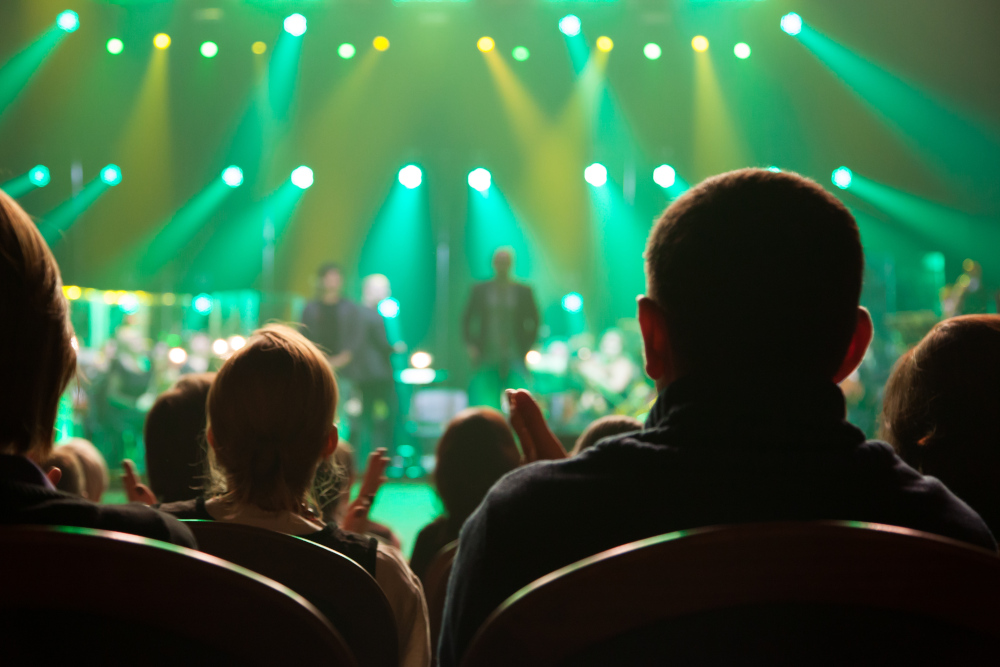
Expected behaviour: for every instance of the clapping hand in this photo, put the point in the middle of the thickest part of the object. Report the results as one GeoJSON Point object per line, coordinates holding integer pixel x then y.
{"type": "Point", "coordinates": [136, 491]}
{"type": "Point", "coordinates": [538, 442]}
{"type": "Point", "coordinates": [356, 518]}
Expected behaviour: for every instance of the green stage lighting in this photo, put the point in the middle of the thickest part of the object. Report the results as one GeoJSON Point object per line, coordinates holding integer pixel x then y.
{"type": "Point", "coordinates": [202, 303]}
{"type": "Point", "coordinates": [480, 179]}
{"type": "Point", "coordinates": [209, 49]}
{"type": "Point", "coordinates": [520, 53]}
{"type": "Point", "coordinates": [410, 176]}
{"type": "Point", "coordinates": [572, 303]}
{"type": "Point", "coordinates": [39, 176]}
{"type": "Point", "coordinates": [664, 176]}
{"type": "Point", "coordinates": [128, 303]}
{"type": "Point", "coordinates": [295, 25]}
{"type": "Point", "coordinates": [791, 23]}
{"type": "Point", "coordinates": [570, 25]}
{"type": "Point", "coordinates": [111, 175]}
{"type": "Point", "coordinates": [742, 50]}
{"type": "Point", "coordinates": [346, 51]}
{"type": "Point", "coordinates": [388, 307]}
{"type": "Point", "coordinates": [652, 51]}
{"type": "Point", "coordinates": [115, 46]}
{"type": "Point", "coordinates": [233, 176]}
{"type": "Point", "coordinates": [68, 21]}
{"type": "Point", "coordinates": [596, 174]}
{"type": "Point", "coordinates": [302, 177]}
{"type": "Point", "coordinates": [842, 177]}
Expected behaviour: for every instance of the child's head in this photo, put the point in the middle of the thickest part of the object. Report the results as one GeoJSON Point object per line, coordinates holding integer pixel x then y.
{"type": "Point", "coordinates": [270, 419]}
{"type": "Point", "coordinates": [92, 466]}
{"type": "Point", "coordinates": [605, 427]}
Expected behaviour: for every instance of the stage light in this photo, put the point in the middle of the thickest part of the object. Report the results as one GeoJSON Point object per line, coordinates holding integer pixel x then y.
{"type": "Point", "coordinates": [236, 342]}
{"type": "Point", "coordinates": [220, 346]}
{"type": "Point", "coordinates": [72, 292]}
{"type": "Point", "coordinates": [791, 23]}
{"type": "Point", "coordinates": [532, 357]}
{"type": "Point", "coordinates": [209, 49]}
{"type": "Point", "coordinates": [842, 177]}
{"type": "Point", "coordinates": [115, 46]}
{"type": "Point", "coordinates": [652, 51]}
{"type": "Point", "coordinates": [302, 177]}
{"type": "Point", "coordinates": [381, 43]}
{"type": "Point", "coordinates": [346, 51]}
{"type": "Point", "coordinates": [411, 176]}
{"type": "Point", "coordinates": [161, 41]}
{"type": "Point", "coordinates": [520, 53]}
{"type": "Point", "coordinates": [572, 303]}
{"type": "Point", "coordinates": [259, 48]}
{"type": "Point", "coordinates": [596, 174]}
{"type": "Point", "coordinates": [664, 176]}
{"type": "Point", "coordinates": [388, 307]}
{"type": "Point", "coordinates": [232, 176]}
{"type": "Point", "coordinates": [128, 303]}
{"type": "Point", "coordinates": [295, 25]}
{"type": "Point", "coordinates": [421, 360]}
{"type": "Point", "coordinates": [39, 176]}
{"type": "Point", "coordinates": [742, 50]}
{"type": "Point", "coordinates": [177, 355]}
{"type": "Point", "coordinates": [168, 299]}
{"type": "Point", "coordinates": [111, 175]}
{"type": "Point", "coordinates": [202, 303]}
{"type": "Point", "coordinates": [774, 170]}
{"type": "Point", "coordinates": [480, 179]}
{"type": "Point", "coordinates": [569, 25]}
{"type": "Point", "coordinates": [700, 43]}
{"type": "Point", "coordinates": [485, 44]}
{"type": "Point", "coordinates": [605, 44]}
{"type": "Point", "coordinates": [68, 21]}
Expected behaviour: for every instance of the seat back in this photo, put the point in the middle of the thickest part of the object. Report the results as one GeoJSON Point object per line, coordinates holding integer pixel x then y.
{"type": "Point", "coordinates": [81, 596]}
{"type": "Point", "coordinates": [436, 587]}
{"type": "Point", "coordinates": [340, 588]}
{"type": "Point", "coordinates": [787, 593]}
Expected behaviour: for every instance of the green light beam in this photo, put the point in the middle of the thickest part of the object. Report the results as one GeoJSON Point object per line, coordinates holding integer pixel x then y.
{"type": "Point", "coordinates": [492, 224]}
{"type": "Point", "coordinates": [25, 183]}
{"type": "Point", "coordinates": [282, 73]}
{"type": "Point", "coordinates": [16, 72]}
{"type": "Point", "coordinates": [620, 239]}
{"type": "Point", "coordinates": [63, 216]}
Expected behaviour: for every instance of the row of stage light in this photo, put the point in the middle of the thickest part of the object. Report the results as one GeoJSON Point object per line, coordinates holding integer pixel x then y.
{"type": "Point", "coordinates": [570, 25]}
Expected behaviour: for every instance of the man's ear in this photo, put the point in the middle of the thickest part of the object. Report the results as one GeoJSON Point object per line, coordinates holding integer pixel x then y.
{"type": "Point", "coordinates": [862, 338]}
{"type": "Point", "coordinates": [331, 443]}
{"type": "Point", "coordinates": [660, 366]}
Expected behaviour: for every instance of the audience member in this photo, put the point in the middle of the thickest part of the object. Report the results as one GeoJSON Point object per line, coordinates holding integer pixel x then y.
{"type": "Point", "coordinates": [605, 427]}
{"type": "Point", "coordinates": [270, 424]}
{"type": "Point", "coordinates": [749, 424]}
{"type": "Point", "coordinates": [37, 361]}
{"type": "Point", "coordinates": [941, 410]}
{"type": "Point", "coordinates": [93, 466]}
{"type": "Point", "coordinates": [476, 449]}
{"type": "Point", "coordinates": [71, 476]}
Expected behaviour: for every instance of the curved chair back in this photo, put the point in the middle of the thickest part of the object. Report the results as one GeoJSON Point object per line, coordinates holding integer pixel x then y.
{"type": "Point", "coordinates": [340, 588]}
{"type": "Point", "coordinates": [787, 593]}
{"type": "Point", "coordinates": [81, 596]}
{"type": "Point", "coordinates": [436, 587]}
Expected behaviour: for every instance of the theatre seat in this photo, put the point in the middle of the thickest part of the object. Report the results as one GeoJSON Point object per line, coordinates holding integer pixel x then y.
{"type": "Point", "coordinates": [78, 596]}
{"type": "Point", "coordinates": [436, 587]}
{"type": "Point", "coordinates": [340, 588]}
{"type": "Point", "coordinates": [826, 593]}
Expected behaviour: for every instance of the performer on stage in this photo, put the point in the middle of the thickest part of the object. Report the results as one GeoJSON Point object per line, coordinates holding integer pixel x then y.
{"type": "Point", "coordinates": [499, 326]}
{"type": "Point", "coordinates": [331, 320]}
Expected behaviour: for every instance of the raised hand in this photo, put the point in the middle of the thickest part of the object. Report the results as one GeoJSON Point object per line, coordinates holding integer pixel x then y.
{"type": "Point", "coordinates": [136, 491]}
{"type": "Point", "coordinates": [356, 518]}
{"type": "Point", "coordinates": [538, 442]}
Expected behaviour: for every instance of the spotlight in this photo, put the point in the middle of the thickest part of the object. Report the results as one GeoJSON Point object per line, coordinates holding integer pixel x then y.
{"type": "Point", "coordinates": [177, 355]}
{"type": "Point", "coordinates": [128, 303]}
{"type": "Point", "coordinates": [485, 44]}
{"type": "Point", "coordinates": [480, 179]}
{"type": "Point", "coordinates": [791, 23]}
{"type": "Point", "coordinates": [202, 303]}
{"type": "Point", "coordinates": [111, 175]}
{"type": "Point", "coordinates": [572, 303]}
{"type": "Point", "coordinates": [842, 177]}
{"type": "Point", "coordinates": [520, 53]}
{"type": "Point", "coordinates": [220, 346]}
{"type": "Point", "coordinates": [742, 50]}
{"type": "Point", "coordinates": [259, 48]}
{"type": "Point", "coordinates": [302, 177]}
{"type": "Point", "coordinates": [68, 21]}
{"type": "Point", "coordinates": [161, 41]}
{"type": "Point", "coordinates": [39, 176]}
{"type": "Point", "coordinates": [700, 43]}
{"type": "Point", "coordinates": [381, 43]}
{"type": "Point", "coordinates": [115, 46]}
{"type": "Point", "coordinates": [605, 44]}
{"type": "Point", "coordinates": [410, 176]}
{"type": "Point", "coordinates": [236, 342]}
{"type": "Point", "coordinates": [570, 25]}
{"type": "Point", "coordinates": [232, 176]}
{"type": "Point", "coordinates": [652, 51]}
{"type": "Point", "coordinates": [596, 174]}
{"type": "Point", "coordinates": [664, 176]}
{"type": "Point", "coordinates": [532, 357]}
{"type": "Point", "coordinates": [388, 307]}
{"type": "Point", "coordinates": [295, 25]}
{"type": "Point", "coordinates": [209, 49]}
{"type": "Point", "coordinates": [774, 170]}
{"type": "Point", "coordinates": [346, 51]}
{"type": "Point", "coordinates": [73, 292]}
{"type": "Point", "coordinates": [421, 360]}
